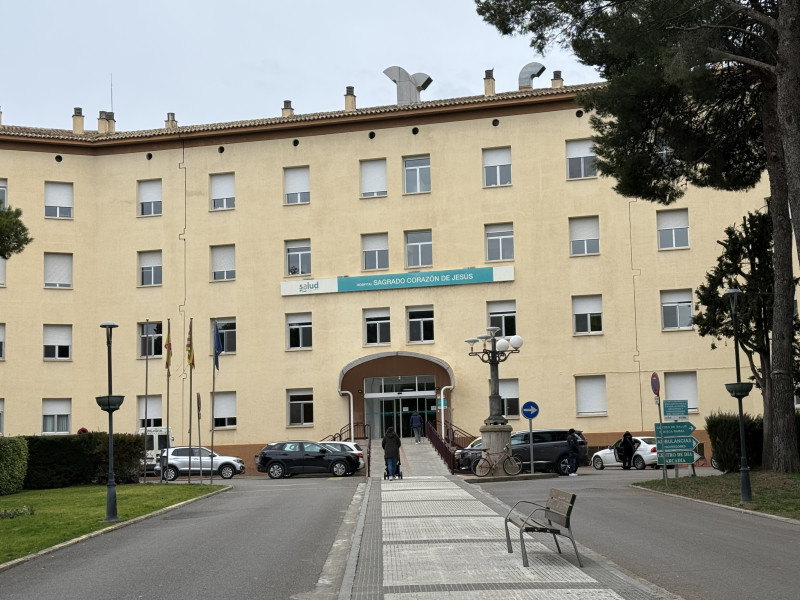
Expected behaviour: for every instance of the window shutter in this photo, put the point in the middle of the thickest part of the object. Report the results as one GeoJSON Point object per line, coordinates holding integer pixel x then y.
{"type": "Point", "coordinates": [150, 259]}
{"type": "Point", "coordinates": [298, 318]}
{"type": "Point", "coordinates": [371, 313]}
{"type": "Point", "coordinates": [57, 335]}
{"type": "Point", "coordinates": [58, 268]}
{"type": "Point", "coordinates": [681, 386]}
{"type": "Point", "coordinates": [223, 258]}
{"type": "Point", "coordinates": [496, 156]}
{"type": "Point", "coordinates": [297, 180]}
{"type": "Point", "coordinates": [224, 404]}
{"type": "Point", "coordinates": [509, 388]}
{"type": "Point", "coordinates": [55, 406]}
{"type": "Point", "coordinates": [375, 241]}
{"type": "Point", "coordinates": [373, 176]}
{"type": "Point", "coordinates": [57, 194]}
{"type": "Point", "coordinates": [672, 219]}
{"type": "Point", "coordinates": [676, 296]}
{"type": "Point", "coordinates": [153, 406]}
{"type": "Point", "coordinates": [150, 191]}
{"type": "Point", "coordinates": [579, 148]}
{"type": "Point", "coordinates": [504, 306]}
{"type": "Point", "coordinates": [223, 186]}
{"type": "Point", "coordinates": [582, 305]}
{"type": "Point", "coordinates": [584, 228]}
{"type": "Point", "coordinates": [500, 228]}
{"type": "Point", "coordinates": [590, 392]}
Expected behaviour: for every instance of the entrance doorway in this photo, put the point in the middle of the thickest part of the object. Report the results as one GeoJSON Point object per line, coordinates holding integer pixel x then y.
{"type": "Point", "coordinates": [391, 401]}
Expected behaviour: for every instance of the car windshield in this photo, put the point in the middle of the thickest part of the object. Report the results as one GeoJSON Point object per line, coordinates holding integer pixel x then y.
{"type": "Point", "coordinates": [649, 440]}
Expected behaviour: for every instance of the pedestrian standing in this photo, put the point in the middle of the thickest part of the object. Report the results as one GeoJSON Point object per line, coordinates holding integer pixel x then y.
{"type": "Point", "coordinates": [391, 451]}
{"type": "Point", "coordinates": [416, 425]}
{"type": "Point", "coordinates": [627, 450]}
{"type": "Point", "coordinates": [572, 449]}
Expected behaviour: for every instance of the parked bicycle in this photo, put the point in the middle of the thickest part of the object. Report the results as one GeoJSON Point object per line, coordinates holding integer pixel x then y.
{"type": "Point", "coordinates": [484, 465]}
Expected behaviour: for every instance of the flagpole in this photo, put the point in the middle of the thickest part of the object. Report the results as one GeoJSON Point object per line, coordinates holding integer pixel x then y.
{"type": "Point", "coordinates": [190, 360]}
{"type": "Point", "coordinates": [146, 397]}
{"type": "Point", "coordinates": [169, 361]}
{"type": "Point", "coordinates": [214, 367]}
{"type": "Point", "coordinates": [199, 444]}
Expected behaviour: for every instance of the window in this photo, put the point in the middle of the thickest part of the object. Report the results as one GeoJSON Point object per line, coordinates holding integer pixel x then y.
{"type": "Point", "coordinates": [497, 167]}
{"type": "Point", "coordinates": [584, 236]}
{"type": "Point", "coordinates": [500, 242]}
{"type": "Point", "coordinates": [375, 250]}
{"type": "Point", "coordinates": [58, 342]}
{"type": "Point", "coordinates": [503, 315]}
{"type": "Point", "coordinates": [55, 415]}
{"type": "Point", "coordinates": [223, 196]}
{"type": "Point", "coordinates": [150, 268]}
{"type": "Point", "coordinates": [509, 392]}
{"type": "Point", "coordinates": [420, 324]}
{"type": "Point", "coordinates": [57, 270]}
{"type": "Point", "coordinates": [224, 410]}
{"type": "Point", "coordinates": [373, 178]}
{"type": "Point", "coordinates": [2, 341]}
{"type": "Point", "coordinates": [298, 257]}
{"type": "Point", "coordinates": [682, 386]}
{"type": "Point", "coordinates": [299, 331]}
{"type": "Point", "coordinates": [376, 326]}
{"type": "Point", "coordinates": [3, 193]}
{"type": "Point", "coordinates": [223, 262]}
{"type": "Point", "coordinates": [673, 229]}
{"type": "Point", "coordinates": [676, 309]}
{"type": "Point", "coordinates": [419, 249]}
{"type": "Point", "coordinates": [2, 409]}
{"type": "Point", "coordinates": [417, 174]}
{"type": "Point", "coordinates": [2, 271]}
{"type": "Point", "coordinates": [227, 334]}
{"type": "Point", "coordinates": [581, 159]}
{"type": "Point", "coordinates": [149, 198]}
{"type": "Point", "coordinates": [150, 339]}
{"type": "Point", "coordinates": [590, 394]}
{"type": "Point", "coordinates": [149, 408]}
{"type": "Point", "coordinates": [587, 314]}
{"type": "Point", "coordinates": [57, 200]}
{"type": "Point", "coordinates": [297, 183]}
{"type": "Point", "coordinates": [301, 407]}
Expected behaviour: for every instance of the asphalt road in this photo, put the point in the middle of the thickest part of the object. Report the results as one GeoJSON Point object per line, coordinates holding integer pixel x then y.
{"type": "Point", "coordinates": [262, 539]}
{"type": "Point", "coordinates": [695, 550]}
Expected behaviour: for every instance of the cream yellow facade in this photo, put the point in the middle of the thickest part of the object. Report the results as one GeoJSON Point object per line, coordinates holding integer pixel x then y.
{"type": "Point", "coordinates": [597, 382]}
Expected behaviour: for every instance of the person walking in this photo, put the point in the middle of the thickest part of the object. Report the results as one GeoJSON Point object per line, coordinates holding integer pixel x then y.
{"type": "Point", "coordinates": [572, 449]}
{"type": "Point", "coordinates": [627, 450]}
{"type": "Point", "coordinates": [416, 425]}
{"type": "Point", "coordinates": [391, 451]}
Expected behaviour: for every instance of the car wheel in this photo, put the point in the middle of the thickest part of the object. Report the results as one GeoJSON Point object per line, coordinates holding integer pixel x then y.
{"type": "Point", "coordinates": [562, 465]}
{"type": "Point", "coordinates": [638, 463]}
{"type": "Point", "coordinates": [597, 463]}
{"type": "Point", "coordinates": [715, 463]}
{"type": "Point", "coordinates": [171, 474]}
{"type": "Point", "coordinates": [339, 468]}
{"type": "Point", "coordinates": [226, 471]}
{"type": "Point", "coordinates": [275, 470]}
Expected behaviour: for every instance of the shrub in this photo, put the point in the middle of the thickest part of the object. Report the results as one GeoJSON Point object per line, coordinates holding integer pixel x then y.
{"type": "Point", "coordinates": [13, 464]}
{"type": "Point", "coordinates": [723, 430]}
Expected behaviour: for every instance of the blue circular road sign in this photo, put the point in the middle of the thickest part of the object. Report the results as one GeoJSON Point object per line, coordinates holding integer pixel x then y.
{"type": "Point", "coordinates": [530, 410]}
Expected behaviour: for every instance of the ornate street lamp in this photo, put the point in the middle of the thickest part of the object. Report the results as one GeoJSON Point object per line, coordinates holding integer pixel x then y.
{"type": "Point", "coordinates": [109, 404]}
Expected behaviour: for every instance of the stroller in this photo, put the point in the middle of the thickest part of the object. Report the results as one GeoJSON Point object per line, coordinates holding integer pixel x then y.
{"type": "Point", "coordinates": [397, 470]}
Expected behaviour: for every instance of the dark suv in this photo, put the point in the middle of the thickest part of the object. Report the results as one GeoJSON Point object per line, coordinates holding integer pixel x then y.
{"type": "Point", "coordinates": [550, 451]}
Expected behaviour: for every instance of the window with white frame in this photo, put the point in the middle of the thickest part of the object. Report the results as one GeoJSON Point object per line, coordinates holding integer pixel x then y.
{"type": "Point", "coordinates": [581, 159]}
{"type": "Point", "coordinates": [298, 257]}
{"type": "Point", "coordinates": [417, 174]}
{"type": "Point", "coordinates": [149, 410]}
{"type": "Point", "coordinates": [587, 314]}
{"type": "Point", "coordinates": [419, 249]}
{"type": "Point", "coordinates": [509, 392]}
{"type": "Point", "coordinates": [673, 228]}
{"type": "Point", "coordinates": [377, 326]}
{"type": "Point", "coordinates": [496, 167]}
{"type": "Point", "coordinates": [420, 324]}
{"type": "Point", "coordinates": [297, 183]}
{"type": "Point", "coordinates": [590, 395]}
{"type": "Point", "coordinates": [149, 197]}
{"type": "Point", "coordinates": [375, 251]}
{"type": "Point", "coordinates": [57, 270]}
{"type": "Point", "coordinates": [150, 339]}
{"type": "Point", "coordinates": [584, 236]}
{"type": "Point", "coordinates": [2, 341]}
{"type": "Point", "coordinates": [2, 410]}
{"type": "Point", "coordinates": [150, 268]}
{"type": "Point", "coordinates": [676, 309]}
{"type": "Point", "coordinates": [682, 385]}
{"type": "Point", "coordinates": [223, 191]}
{"type": "Point", "coordinates": [57, 342]}
{"type": "Point", "coordinates": [227, 334]}
{"type": "Point", "coordinates": [298, 331]}
{"type": "Point", "coordinates": [301, 407]}
{"type": "Point", "coordinates": [3, 193]}
{"type": "Point", "coordinates": [2, 272]}
{"type": "Point", "coordinates": [224, 410]}
{"type": "Point", "coordinates": [373, 178]}
{"type": "Point", "coordinates": [58, 200]}
{"type": "Point", "coordinates": [503, 314]}
{"type": "Point", "coordinates": [55, 415]}
{"type": "Point", "coordinates": [223, 262]}
{"type": "Point", "coordinates": [499, 242]}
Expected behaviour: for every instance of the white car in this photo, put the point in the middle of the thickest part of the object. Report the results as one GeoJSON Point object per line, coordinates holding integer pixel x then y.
{"type": "Point", "coordinates": [347, 447]}
{"type": "Point", "coordinates": [644, 456]}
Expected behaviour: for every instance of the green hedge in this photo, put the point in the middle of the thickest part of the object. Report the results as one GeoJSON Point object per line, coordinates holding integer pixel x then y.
{"type": "Point", "coordinates": [13, 463]}
{"type": "Point", "coordinates": [723, 430]}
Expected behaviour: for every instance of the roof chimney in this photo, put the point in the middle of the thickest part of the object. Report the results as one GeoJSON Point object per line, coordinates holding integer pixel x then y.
{"type": "Point", "coordinates": [287, 110]}
{"type": "Point", "coordinates": [556, 81]}
{"type": "Point", "coordinates": [106, 122]}
{"type": "Point", "coordinates": [488, 83]}
{"type": "Point", "coordinates": [349, 98]}
{"type": "Point", "coordinates": [527, 74]}
{"type": "Point", "coordinates": [77, 120]}
{"type": "Point", "coordinates": [408, 86]}
{"type": "Point", "coordinates": [170, 123]}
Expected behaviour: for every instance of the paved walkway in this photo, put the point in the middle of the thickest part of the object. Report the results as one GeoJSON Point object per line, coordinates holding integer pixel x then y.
{"type": "Point", "coordinates": [432, 535]}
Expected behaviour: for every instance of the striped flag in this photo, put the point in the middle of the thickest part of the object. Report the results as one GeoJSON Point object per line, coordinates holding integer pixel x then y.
{"type": "Point", "coordinates": [168, 347]}
{"type": "Point", "coordinates": [217, 345]}
{"type": "Point", "coordinates": [190, 347]}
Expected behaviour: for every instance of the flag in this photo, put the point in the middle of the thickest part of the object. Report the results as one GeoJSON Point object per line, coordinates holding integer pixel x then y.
{"type": "Point", "coordinates": [190, 347]}
{"type": "Point", "coordinates": [217, 345]}
{"type": "Point", "coordinates": [168, 347]}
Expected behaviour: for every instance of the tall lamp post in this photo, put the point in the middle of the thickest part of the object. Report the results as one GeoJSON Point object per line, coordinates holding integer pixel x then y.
{"type": "Point", "coordinates": [739, 390]}
{"type": "Point", "coordinates": [496, 431]}
{"type": "Point", "coordinates": [109, 404]}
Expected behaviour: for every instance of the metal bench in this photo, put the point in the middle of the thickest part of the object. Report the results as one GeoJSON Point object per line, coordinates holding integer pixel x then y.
{"type": "Point", "coordinates": [552, 518]}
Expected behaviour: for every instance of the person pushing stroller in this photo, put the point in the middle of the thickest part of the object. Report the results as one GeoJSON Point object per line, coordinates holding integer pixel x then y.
{"type": "Point", "coordinates": [391, 451]}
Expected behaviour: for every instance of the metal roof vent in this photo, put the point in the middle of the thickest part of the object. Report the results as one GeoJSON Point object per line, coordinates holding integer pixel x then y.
{"type": "Point", "coordinates": [527, 74]}
{"type": "Point", "coordinates": [408, 86]}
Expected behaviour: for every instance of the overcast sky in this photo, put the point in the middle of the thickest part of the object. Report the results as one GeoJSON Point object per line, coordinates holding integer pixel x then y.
{"type": "Point", "coordinates": [227, 60]}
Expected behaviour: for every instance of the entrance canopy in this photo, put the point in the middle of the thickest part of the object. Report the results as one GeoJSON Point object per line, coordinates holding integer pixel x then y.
{"type": "Point", "coordinates": [389, 361]}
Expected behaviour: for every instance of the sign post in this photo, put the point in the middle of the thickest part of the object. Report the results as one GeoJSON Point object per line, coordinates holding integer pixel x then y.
{"type": "Point", "coordinates": [529, 411]}
{"type": "Point", "coordinates": [655, 385]}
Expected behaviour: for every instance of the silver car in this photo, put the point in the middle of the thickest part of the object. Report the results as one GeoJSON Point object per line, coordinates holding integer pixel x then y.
{"type": "Point", "coordinates": [202, 460]}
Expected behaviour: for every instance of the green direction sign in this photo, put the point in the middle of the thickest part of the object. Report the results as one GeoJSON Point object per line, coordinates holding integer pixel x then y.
{"type": "Point", "coordinates": [676, 410]}
{"type": "Point", "coordinates": [676, 428]}
{"type": "Point", "coordinates": [676, 443]}
{"type": "Point", "coordinates": [674, 457]}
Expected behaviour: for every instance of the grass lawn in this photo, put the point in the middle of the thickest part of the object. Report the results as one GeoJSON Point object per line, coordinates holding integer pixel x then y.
{"type": "Point", "coordinates": [773, 493]}
{"type": "Point", "coordinates": [63, 514]}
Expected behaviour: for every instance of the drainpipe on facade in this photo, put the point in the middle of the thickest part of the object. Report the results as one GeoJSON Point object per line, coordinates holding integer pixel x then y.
{"type": "Point", "coordinates": [441, 404]}
{"type": "Point", "coordinates": [342, 393]}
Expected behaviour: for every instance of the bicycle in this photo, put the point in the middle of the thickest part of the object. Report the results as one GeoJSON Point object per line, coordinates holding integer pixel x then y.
{"type": "Point", "coordinates": [484, 465]}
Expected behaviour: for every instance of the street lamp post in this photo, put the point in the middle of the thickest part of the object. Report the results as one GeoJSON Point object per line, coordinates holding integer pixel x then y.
{"type": "Point", "coordinates": [739, 390]}
{"type": "Point", "coordinates": [109, 404]}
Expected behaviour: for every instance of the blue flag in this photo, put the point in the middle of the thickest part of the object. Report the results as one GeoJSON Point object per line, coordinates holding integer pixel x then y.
{"type": "Point", "coordinates": [217, 345]}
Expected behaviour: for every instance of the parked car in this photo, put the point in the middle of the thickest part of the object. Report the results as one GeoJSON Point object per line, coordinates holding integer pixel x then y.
{"type": "Point", "coordinates": [645, 454]}
{"type": "Point", "coordinates": [550, 451]}
{"type": "Point", "coordinates": [347, 447]}
{"type": "Point", "coordinates": [280, 459]}
{"type": "Point", "coordinates": [201, 459]}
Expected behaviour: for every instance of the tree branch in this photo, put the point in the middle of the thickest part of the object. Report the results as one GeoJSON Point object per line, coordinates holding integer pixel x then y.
{"type": "Point", "coordinates": [750, 13]}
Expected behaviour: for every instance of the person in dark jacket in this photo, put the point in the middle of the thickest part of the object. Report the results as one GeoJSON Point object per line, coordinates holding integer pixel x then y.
{"type": "Point", "coordinates": [391, 451]}
{"type": "Point", "coordinates": [572, 449]}
{"type": "Point", "coordinates": [627, 450]}
{"type": "Point", "coordinates": [416, 425]}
